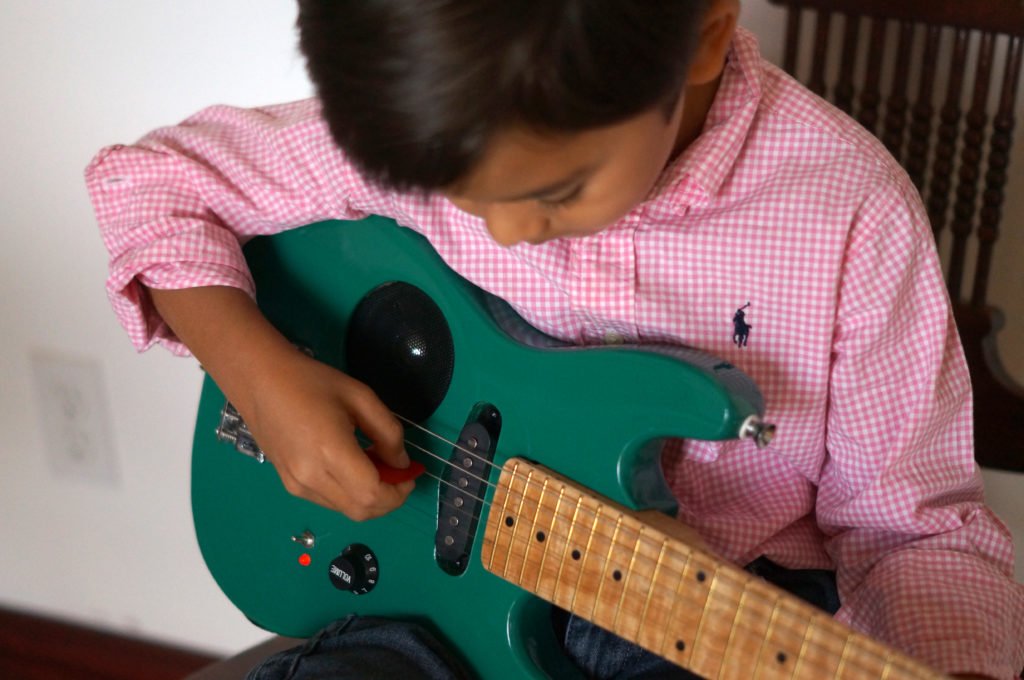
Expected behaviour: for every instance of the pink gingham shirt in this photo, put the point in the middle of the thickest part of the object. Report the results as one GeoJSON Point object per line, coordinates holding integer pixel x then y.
{"type": "Point", "coordinates": [782, 207]}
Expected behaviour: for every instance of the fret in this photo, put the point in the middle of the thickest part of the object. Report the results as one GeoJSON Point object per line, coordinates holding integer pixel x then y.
{"type": "Point", "coordinates": [863, 666]}
{"type": "Point", "coordinates": [645, 607]}
{"type": "Point", "coordinates": [590, 565]}
{"type": "Point", "coordinates": [842, 659]}
{"type": "Point", "coordinates": [709, 642]}
{"type": "Point", "coordinates": [784, 642]}
{"type": "Point", "coordinates": [819, 653]}
{"type": "Point", "coordinates": [618, 569]}
{"type": "Point", "coordinates": [867, 659]}
{"type": "Point", "coordinates": [772, 659]}
{"type": "Point", "coordinates": [888, 667]}
{"type": "Point", "coordinates": [644, 635]}
{"type": "Point", "coordinates": [605, 563]}
{"type": "Point", "coordinates": [755, 612]}
{"type": "Point", "coordinates": [513, 520]}
{"type": "Point", "coordinates": [531, 507]}
{"type": "Point", "coordinates": [557, 533]}
{"type": "Point", "coordinates": [638, 583]}
{"type": "Point", "coordinates": [724, 672]}
{"type": "Point", "coordinates": [680, 624]}
{"type": "Point", "coordinates": [569, 565]}
{"type": "Point", "coordinates": [627, 550]}
{"type": "Point", "coordinates": [496, 540]}
{"type": "Point", "coordinates": [803, 649]}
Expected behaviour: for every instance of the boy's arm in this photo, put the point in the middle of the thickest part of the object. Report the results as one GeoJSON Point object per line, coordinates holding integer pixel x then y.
{"type": "Point", "coordinates": [302, 412]}
{"type": "Point", "coordinates": [175, 207]}
{"type": "Point", "coordinates": [922, 562]}
{"type": "Point", "coordinates": [173, 211]}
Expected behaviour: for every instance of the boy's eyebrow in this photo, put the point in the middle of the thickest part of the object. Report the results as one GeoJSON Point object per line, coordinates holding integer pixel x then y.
{"type": "Point", "coordinates": [551, 188]}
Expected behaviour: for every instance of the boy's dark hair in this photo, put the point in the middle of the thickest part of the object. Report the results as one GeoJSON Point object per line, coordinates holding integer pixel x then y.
{"type": "Point", "coordinates": [412, 90]}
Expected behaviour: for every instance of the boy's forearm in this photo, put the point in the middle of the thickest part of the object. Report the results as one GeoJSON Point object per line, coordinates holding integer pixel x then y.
{"type": "Point", "coordinates": [226, 332]}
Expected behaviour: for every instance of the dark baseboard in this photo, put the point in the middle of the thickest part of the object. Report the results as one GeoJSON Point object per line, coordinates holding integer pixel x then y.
{"type": "Point", "coordinates": [38, 648]}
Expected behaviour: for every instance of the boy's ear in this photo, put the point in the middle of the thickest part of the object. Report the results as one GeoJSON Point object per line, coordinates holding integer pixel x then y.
{"type": "Point", "coordinates": [716, 31]}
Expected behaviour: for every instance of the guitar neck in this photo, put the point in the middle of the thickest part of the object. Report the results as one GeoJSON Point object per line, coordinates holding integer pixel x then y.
{"type": "Point", "coordinates": [604, 563]}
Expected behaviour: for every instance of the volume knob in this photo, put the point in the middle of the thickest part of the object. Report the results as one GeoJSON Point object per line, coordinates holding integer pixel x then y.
{"type": "Point", "coordinates": [355, 570]}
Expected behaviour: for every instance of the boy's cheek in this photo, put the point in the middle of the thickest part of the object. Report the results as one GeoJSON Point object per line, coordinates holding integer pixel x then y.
{"type": "Point", "coordinates": [470, 207]}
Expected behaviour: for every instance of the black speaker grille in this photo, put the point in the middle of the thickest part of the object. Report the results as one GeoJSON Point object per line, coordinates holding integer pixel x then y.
{"type": "Point", "coordinates": [399, 343]}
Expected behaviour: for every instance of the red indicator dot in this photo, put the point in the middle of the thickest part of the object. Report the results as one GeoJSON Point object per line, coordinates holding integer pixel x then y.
{"type": "Point", "coordinates": [305, 559]}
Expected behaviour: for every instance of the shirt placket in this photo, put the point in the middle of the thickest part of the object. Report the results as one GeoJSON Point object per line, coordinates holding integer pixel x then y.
{"type": "Point", "coordinates": [603, 293]}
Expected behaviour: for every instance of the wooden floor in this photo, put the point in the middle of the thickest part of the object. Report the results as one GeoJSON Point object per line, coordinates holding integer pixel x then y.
{"type": "Point", "coordinates": [36, 648]}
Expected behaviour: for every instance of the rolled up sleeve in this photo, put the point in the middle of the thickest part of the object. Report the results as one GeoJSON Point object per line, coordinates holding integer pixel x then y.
{"type": "Point", "coordinates": [175, 208]}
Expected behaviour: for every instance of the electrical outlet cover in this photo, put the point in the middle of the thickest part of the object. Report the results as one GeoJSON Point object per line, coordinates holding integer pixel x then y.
{"type": "Point", "coordinates": [74, 417]}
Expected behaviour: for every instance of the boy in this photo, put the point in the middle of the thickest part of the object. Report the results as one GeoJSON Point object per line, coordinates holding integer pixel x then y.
{"type": "Point", "coordinates": [617, 172]}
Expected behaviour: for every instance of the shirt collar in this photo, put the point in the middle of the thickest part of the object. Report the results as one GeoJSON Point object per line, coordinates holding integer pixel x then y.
{"type": "Point", "coordinates": [699, 172]}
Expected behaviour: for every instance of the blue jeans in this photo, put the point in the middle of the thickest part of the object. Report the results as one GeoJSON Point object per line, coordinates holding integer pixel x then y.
{"type": "Point", "coordinates": [356, 647]}
{"type": "Point", "coordinates": [369, 648]}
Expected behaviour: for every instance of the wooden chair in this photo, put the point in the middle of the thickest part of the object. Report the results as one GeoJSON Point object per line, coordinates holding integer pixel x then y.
{"type": "Point", "coordinates": [937, 81]}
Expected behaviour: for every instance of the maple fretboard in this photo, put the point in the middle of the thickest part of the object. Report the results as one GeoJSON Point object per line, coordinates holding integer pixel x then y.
{"type": "Point", "coordinates": [611, 566]}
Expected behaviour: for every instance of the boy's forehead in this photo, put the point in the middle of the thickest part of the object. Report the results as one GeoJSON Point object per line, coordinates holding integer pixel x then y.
{"type": "Point", "coordinates": [518, 164]}
{"type": "Point", "coordinates": [521, 162]}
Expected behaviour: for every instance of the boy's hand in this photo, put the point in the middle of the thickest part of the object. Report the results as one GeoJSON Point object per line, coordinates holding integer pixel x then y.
{"type": "Point", "coordinates": [302, 413]}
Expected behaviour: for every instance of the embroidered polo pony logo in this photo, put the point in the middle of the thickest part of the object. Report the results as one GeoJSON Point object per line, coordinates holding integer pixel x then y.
{"type": "Point", "coordinates": [740, 327]}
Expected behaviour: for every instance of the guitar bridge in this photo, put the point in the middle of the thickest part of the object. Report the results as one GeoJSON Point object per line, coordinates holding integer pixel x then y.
{"type": "Point", "coordinates": [463, 486]}
{"type": "Point", "coordinates": [232, 429]}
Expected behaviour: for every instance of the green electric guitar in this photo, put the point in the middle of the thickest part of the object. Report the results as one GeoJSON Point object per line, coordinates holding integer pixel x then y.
{"type": "Point", "coordinates": [537, 481]}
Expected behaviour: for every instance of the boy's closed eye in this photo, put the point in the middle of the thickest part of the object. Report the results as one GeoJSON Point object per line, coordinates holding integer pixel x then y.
{"type": "Point", "coordinates": [567, 198]}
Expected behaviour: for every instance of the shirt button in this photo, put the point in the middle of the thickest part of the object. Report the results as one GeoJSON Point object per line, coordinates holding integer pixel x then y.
{"type": "Point", "coordinates": [613, 338]}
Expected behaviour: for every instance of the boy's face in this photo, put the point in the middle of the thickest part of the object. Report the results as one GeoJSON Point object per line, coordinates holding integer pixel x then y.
{"type": "Point", "coordinates": [533, 188]}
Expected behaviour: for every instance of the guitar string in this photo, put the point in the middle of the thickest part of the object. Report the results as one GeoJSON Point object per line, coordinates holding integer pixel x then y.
{"type": "Point", "coordinates": [686, 594]}
{"type": "Point", "coordinates": [694, 599]}
{"type": "Point", "coordinates": [454, 445]}
{"type": "Point", "coordinates": [886, 661]}
{"type": "Point", "coordinates": [527, 542]}
{"type": "Point", "coordinates": [450, 504]}
{"type": "Point", "coordinates": [883, 662]}
{"type": "Point", "coordinates": [595, 513]}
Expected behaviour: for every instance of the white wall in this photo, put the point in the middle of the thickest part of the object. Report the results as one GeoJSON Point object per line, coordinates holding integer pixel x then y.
{"type": "Point", "coordinates": [76, 76]}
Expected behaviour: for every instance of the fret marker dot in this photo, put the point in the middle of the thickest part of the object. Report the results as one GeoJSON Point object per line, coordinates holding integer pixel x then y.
{"type": "Point", "coordinates": [781, 657]}
{"type": "Point", "coordinates": [617, 575]}
{"type": "Point", "coordinates": [701, 576]}
{"type": "Point", "coordinates": [680, 645]}
{"type": "Point", "coordinates": [576, 554]}
{"type": "Point", "coordinates": [509, 521]}
{"type": "Point", "coordinates": [540, 536]}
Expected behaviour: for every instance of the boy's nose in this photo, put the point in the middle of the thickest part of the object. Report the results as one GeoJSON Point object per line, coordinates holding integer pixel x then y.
{"type": "Point", "coordinates": [511, 224]}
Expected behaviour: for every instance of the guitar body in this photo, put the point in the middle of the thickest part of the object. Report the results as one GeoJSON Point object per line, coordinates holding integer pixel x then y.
{"type": "Point", "coordinates": [595, 415]}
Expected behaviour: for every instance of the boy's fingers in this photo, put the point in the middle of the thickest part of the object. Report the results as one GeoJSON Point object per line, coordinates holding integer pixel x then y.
{"type": "Point", "coordinates": [363, 490]}
{"type": "Point", "coordinates": [383, 499]}
{"type": "Point", "coordinates": [384, 430]}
